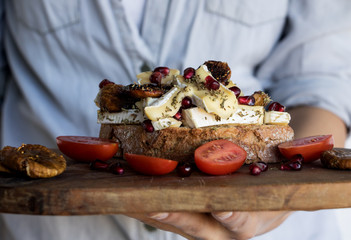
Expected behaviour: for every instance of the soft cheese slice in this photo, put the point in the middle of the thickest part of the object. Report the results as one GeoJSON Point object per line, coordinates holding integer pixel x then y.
{"type": "Point", "coordinates": [275, 117]}
{"type": "Point", "coordinates": [165, 123]}
{"type": "Point", "coordinates": [221, 102]}
{"type": "Point", "coordinates": [144, 77]}
{"type": "Point", "coordinates": [197, 117]}
{"type": "Point", "coordinates": [130, 116]}
{"type": "Point", "coordinates": [167, 105]}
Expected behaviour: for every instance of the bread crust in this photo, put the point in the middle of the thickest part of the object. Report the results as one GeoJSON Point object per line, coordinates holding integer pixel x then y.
{"type": "Point", "coordinates": [259, 141]}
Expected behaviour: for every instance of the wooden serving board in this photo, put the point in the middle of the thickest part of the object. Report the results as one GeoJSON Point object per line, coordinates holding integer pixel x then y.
{"type": "Point", "coordinates": [81, 191]}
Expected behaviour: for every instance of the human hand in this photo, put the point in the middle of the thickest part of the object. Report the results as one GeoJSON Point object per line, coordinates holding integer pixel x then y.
{"type": "Point", "coordinates": [219, 225]}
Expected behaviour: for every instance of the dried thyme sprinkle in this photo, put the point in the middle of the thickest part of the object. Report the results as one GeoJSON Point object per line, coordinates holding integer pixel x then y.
{"type": "Point", "coordinates": [168, 109]}
{"type": "Point", "coordinates": [222, 103]}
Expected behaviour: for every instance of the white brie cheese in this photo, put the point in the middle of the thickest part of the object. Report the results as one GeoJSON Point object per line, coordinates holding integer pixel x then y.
{"type": "Point", "coordinates": [165, 123]}
{"type": "Point", "coordinates": [130, 116]}
{"type": "Point", "coordinates": [165, 106]}
{"type": "Point", "coordinates": [275, 117]}
{"type": "Point", "coordinates": [197, 117]}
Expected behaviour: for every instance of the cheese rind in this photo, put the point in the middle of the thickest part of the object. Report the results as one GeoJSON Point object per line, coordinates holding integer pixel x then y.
{"type": "Point", "coordinates": [130, 116]}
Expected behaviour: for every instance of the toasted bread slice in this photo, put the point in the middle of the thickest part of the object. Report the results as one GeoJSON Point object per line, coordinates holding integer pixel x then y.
{"type": "Point", "coordinates": [179, 143]}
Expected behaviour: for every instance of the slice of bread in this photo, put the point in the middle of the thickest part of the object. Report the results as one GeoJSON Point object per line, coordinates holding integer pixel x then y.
{"type": "Point", "coordinates": [179, 143]}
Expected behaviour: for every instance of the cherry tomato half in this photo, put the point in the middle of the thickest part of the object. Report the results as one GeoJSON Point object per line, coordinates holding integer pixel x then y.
{"type": "Point", "coordinates": [219, 157]}
{"type": "Point", "coordinates": [150, 165]}
{"type": "Point", "coordinates": [87, 149]}
{"type": "Point", "coordinates": [309, 147]}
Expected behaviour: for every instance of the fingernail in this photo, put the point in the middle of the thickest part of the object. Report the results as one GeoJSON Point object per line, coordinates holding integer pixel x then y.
{"type": "Point", "coordinates": [158, 216]}
{"type": "Point", "coordinates": [223, 215]}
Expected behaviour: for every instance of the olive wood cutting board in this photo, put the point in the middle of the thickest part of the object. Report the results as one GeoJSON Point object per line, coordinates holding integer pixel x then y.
{"type": "Point", "coordinates": [81, 191]}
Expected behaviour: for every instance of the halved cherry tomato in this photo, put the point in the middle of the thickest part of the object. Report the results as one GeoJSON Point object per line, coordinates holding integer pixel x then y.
{"type": "Point", "coordinates": [309, 147]}
{"type": "Point", "coordinates": [87, 149]}
{"type": "Point", "coordinates": [219, 157]}
{"type": "Point", "coordinates": [150, 165]}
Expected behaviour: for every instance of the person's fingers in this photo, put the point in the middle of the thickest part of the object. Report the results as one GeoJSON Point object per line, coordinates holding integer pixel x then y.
{"type": "Point", "coordinates": [245, 225]}
{"type": "Point", "coordinates": [198, 225]}
{"type": "Point", "coordinates": [160, 225]}
{"type": "Point", "coordinates": [219, 225]}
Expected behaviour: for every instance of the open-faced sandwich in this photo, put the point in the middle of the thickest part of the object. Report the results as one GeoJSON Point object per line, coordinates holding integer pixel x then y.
{"type": "Point", "coordinates": [167, 114]}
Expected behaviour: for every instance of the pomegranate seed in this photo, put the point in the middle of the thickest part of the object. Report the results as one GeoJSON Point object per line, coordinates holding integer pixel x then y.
{"type": "Point", "coordinates": [147, 125]}
{"type": "Point", "coordinates": [156, 77]}
{"type": "Point", "coordinates": [214, 85]}
{"type": "Point", "coordinates": [99, 165]}
{"type": "Point", "coordinates": [117, 169]}
{"type": "Point", "coordinates": [236, 91]}
{"type": "Point", "coordinates": [104, 83]}
{"type": "Point", "coordinates": [285, 167]}
{"type": "Point", "coordinates": [246, 100]}
{"type": "Point", "coordinates": [275, 106]}
{"type": "Point", "coordinates": [163, 70]}
{"type": "Point", "coordinates": [258, 167]}
{"type": "Point", "coordinates": [189, 73]}
{"type": "Point", "coordinates": [295, 163]}
{"type": "Point", "coordinates": [263, 166]}
{"type": "Point", "coordinates": [211, 83]}
{"type": "Point", "coordinates": [178, 116]}
{"type": "Point", "coordinates": [184, 170]}
{"type": "Point", "coordinates": [186, 102]}
{"type": "Point", "coordinates": [255, 170]}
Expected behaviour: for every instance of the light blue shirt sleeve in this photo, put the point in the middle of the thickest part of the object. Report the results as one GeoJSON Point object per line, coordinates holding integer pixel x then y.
{"type": "Point", "coordinates": [312, 64]}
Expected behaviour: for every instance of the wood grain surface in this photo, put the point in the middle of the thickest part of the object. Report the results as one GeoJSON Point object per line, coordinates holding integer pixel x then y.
{"type": "Point", "coordinates": [81, 191]}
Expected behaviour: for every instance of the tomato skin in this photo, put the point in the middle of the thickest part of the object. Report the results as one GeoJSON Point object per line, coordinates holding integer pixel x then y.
{"type": "Point", "coordinates": [150, 165]}
{"type": "Point", "coordinates": [219, 157]}
{"type": "Point", "coordinates": [87, 149]}
{"type": "Point", "coordinates": [310, 148]}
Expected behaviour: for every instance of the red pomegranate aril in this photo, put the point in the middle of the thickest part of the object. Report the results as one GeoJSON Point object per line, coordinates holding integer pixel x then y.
{"type": "Point", "coordinates": [211, 83]}
{"type": "Point", "coordinates": [214, 85]}
{"type": "Point", "coordinates": [117, 169]}
{"type": "Point", "coordinates": [156, 77]}
{"type": "Point", "coordinates": [147, 125]}
{"type": "Point", "coordinates": [187, 103]}
{"type": "Point", "coordinates": [104, 83]}
{"type": "Point", "coordinates": [275, 106]}
{"type": "Point", "coordinates": [163, 70]}
{"type": "Point", "coordinates": [99, 165]}
{"type": "Point", "coordinates": [295, 165]}
{"type": "Point", "coordinates": [236, 91]}
{"type": "Point", "coordinates": [262, 165]}
{"type": "Point", "coordinates": [285, 167]}
{"type": "Point", "coordinates": [258, 167]}
{"type": "Point", "coordinates": [189, 73]}
{"type": "Point", "coordinates": [184, 170]}
{"type": "Point", "coordinates": [255, 170]}
{"type": "Point", "coordinates": [246, 100]}
{"type": "Point", "coordinates": [178, 116]}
